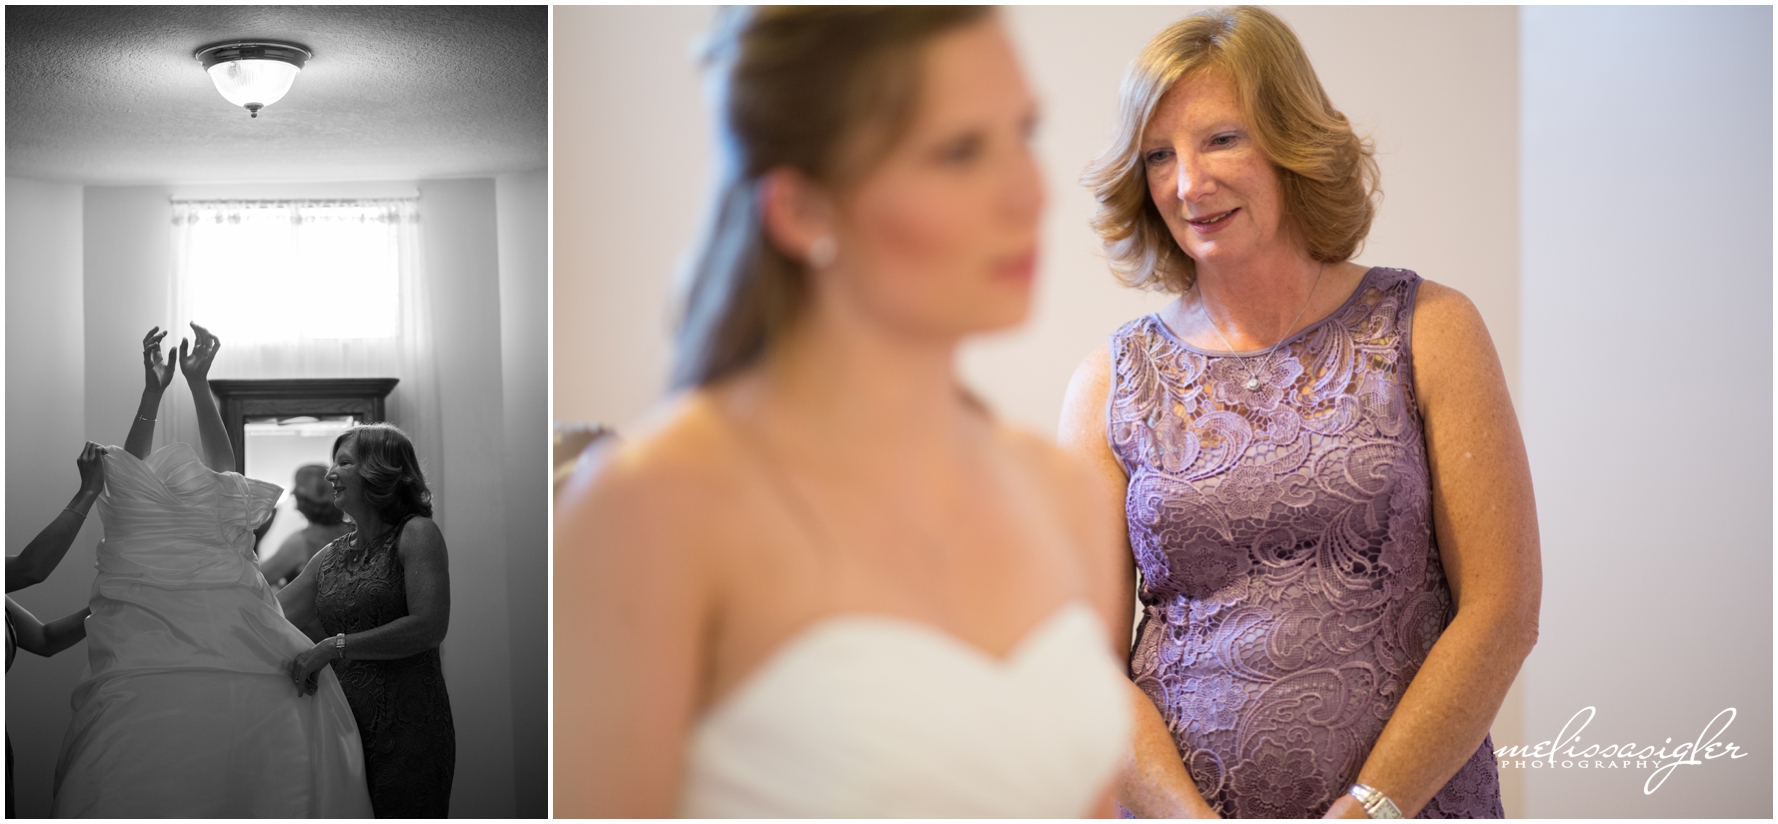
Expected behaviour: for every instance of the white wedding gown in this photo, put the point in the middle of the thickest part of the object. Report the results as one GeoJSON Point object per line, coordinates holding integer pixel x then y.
{"type": "Point", "coordinates": [187, 709]}
{"type": "Point", "coordinates": [878, 716]}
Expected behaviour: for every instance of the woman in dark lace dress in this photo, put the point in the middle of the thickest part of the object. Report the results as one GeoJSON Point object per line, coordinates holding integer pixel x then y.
{"type": "Point", "coordinates": [1325, 490]}
{"type": "Point", "coordinates": [377, 601]}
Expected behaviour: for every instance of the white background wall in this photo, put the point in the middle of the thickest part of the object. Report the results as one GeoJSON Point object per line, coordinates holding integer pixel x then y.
{"type": "Point", "coordinates": [87, 274]}
{"type": "Point", "coordinates": [45, 428]}
{"type": "Point", "coordinates": [521, 204]}
{"type": "Point", "coordinates": [1607, 105]}
{"type": "Point", "coordinates": [1647, 394]}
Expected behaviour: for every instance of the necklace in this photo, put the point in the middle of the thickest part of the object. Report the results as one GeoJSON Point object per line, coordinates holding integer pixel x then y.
{"type": "Point", "coordinates": [1252, 376]}
{"type": "Point", "coordinates": [357, 543]}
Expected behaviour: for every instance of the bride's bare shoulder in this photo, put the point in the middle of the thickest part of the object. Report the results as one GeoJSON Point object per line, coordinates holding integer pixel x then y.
{"type": "Point", "coordinates": [673, 474]}
{"type": "Point", "coordinates": [1064, 479]}
{"type": "Point", "coordinates": [1071, 489]}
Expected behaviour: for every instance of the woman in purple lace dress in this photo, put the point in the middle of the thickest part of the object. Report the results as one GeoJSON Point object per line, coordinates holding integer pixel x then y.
{"type": "Point", "coordinates": [1326, 493]}
{"type": "Point", "coordinates": [377, 601]}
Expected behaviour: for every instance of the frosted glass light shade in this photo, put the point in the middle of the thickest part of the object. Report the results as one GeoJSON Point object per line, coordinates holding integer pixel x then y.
{"type": "Point", "coordinates": [253, 84]}
{"type": "Point", "coordinates": [253, 75]}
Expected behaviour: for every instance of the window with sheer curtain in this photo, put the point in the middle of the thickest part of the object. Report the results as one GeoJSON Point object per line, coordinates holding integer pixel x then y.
{"type": "Point", "coordinates": [306, 289]}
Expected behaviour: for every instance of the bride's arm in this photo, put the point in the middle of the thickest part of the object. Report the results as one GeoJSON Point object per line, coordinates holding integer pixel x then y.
{"type": "Point", "coordinates": [219, 454]}
{"type": "Point", "coordinates": [157, 376]}
{"type": "Point", "coordinates": [633, 617]}
{"type": "Point", "coordinates": [40, 557]}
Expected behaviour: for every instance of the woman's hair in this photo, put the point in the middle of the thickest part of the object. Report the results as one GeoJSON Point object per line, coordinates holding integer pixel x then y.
{"type": "Point", "coordinates": [823, 90]}
{"type": "Point", "coordinates": [1327, 173]}
{"type": "Point", "coordinates": [313, 497]}
{"type": "Point", "coordinates": [393, 484]}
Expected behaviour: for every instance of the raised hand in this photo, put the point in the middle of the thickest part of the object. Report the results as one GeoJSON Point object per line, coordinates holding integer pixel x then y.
{"type": "Point", "coordinates": [91, 464]}
{"type": "Point", "coordinates": [195, 362]}
{"type": "Point", "coordinates": [158, 374]}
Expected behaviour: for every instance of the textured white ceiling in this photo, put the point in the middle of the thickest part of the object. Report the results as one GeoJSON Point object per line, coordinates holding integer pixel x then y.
{"type": "Point", "coordinates": [111, 94]}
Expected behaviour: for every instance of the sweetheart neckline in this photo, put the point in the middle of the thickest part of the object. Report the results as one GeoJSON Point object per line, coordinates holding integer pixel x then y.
{"type": "Point", "coordinates": [888, 620]}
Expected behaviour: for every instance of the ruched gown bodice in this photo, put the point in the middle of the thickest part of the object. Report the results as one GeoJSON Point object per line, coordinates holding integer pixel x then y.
{"type": "Point", "coordinates": [187, 708]}
{"type": "Point", "coordinates": [1280, 511]}
{"type": "Point", "coordinates": [879, 716]}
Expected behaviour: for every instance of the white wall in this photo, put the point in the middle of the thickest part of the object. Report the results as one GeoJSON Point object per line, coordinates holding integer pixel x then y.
{"type": "Point", "coordinates": [462, 266]}
{"type": "Point", "coordinates": [45, 415]}
{"type": "Point", "coordinates": [631, 166]}
{"type": "Point", "coordinates": [1647, 394]}
{"type": "Point", "coordinates": [104, 254]}
{"type": "Point", "coordinates": [522, 204]}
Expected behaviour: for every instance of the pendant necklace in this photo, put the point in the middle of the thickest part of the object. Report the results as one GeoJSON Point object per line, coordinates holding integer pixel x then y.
{"type": "Point", "coordinates": [1252, 383]}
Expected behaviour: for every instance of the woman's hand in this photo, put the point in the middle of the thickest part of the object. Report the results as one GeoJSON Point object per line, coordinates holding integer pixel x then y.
{"type": "Point", "coordinates": [91, 464]}
{"type": "Point", "coordinates": [157, 374]}
{"type": "Point", "coordinates": [195, 362]}
{"type": "Point", "coordinates": [1346, 807]}
{"type": "Point", "coordinates": [303, 669]}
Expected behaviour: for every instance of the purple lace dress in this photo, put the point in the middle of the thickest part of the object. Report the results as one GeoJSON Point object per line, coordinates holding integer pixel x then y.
{"type": "Point", "coordinates": [1290, 586]}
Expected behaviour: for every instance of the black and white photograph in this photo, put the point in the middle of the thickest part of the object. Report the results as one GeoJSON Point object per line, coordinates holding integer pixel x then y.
{"type": "Point", "coordinates": [277, 502]}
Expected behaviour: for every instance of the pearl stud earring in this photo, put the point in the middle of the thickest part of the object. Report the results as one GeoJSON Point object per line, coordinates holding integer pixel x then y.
{"type": "Point", "coordinates": [823, 251]}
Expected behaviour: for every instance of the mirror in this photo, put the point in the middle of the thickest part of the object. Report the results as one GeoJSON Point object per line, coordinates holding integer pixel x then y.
{"type": "Point", "coordinates": [278, 426]}
{"type": "Point", "coordinates": [275, 449]}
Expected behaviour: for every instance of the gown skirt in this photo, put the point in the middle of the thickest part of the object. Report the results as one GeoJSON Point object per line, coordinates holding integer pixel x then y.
{"type": "Point", "coordinates": [186, 708]}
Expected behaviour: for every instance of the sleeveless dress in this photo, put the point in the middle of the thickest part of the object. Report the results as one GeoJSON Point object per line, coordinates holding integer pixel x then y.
{"type": "Point", "coordinates": [866, 715]}
{"type": "Point", "coordinates": [404, 714]}
{"type": "Point", "coordinates": [187, 709]}
{"type": "Point", "coordinates": [1291, 585]}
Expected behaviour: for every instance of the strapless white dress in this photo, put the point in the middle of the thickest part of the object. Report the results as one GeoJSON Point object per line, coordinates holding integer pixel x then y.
{"type": "Point", "coordinates": [868, 715]}
{"type": "Point", "coordinates": [187, 709]}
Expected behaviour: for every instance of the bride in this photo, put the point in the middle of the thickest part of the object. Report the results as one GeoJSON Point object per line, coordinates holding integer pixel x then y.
{"type": "Point", "coordinates": [188, 709]}
{"type": "Point", "coordinates": [829, 583]}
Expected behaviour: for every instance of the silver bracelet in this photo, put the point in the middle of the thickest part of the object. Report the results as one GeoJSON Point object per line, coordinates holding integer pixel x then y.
{"type": "Point", "coordinates": [1376, 804]}
{"type": "Point", "coordinates": [75, 511]}
{"type": "Point", "coordinates": [140, 418]}
{"type": "Point", "coordinates": [339, 643]}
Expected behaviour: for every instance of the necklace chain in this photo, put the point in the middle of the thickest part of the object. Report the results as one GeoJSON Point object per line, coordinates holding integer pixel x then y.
{"type": "Point", "coordinates": [1252, 376]}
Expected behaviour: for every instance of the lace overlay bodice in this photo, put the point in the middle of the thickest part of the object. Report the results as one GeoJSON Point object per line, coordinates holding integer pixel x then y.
{"type": "Point", "coordinates": [1291, 586]}
{"type": "Point", "coordinates": [401, 704]}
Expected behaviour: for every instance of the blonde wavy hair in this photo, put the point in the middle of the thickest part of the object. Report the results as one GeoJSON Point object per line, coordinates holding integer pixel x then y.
{"type": "Point", "coordinates": [1328, 175]}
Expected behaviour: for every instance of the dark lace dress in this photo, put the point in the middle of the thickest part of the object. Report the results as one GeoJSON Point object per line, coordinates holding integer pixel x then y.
{"type": "Point", "coordinates": [12, 645]}
{"type": "Point", "coordinates": [403, 712]}
{"type": "Point", "coordinates": [1291, 586]}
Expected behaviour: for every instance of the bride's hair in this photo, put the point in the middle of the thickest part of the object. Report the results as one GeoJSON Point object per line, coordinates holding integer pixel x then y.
{"type": "Point", "coordinates": [393, 482]}
{"type": "Point", "coordinates": [793, 87]}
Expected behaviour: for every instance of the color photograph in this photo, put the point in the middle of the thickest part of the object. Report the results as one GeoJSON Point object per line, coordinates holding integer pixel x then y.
{"type": "Point", "coordinates": [1062, 411]}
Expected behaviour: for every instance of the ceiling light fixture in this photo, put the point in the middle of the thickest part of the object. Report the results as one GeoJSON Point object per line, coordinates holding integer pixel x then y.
{"type": "Point", "coordinates": [253, 75]}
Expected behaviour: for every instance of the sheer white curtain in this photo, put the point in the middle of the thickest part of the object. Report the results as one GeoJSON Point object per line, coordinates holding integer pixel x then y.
{"type": "Point", "coordinates": [307, 289]}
